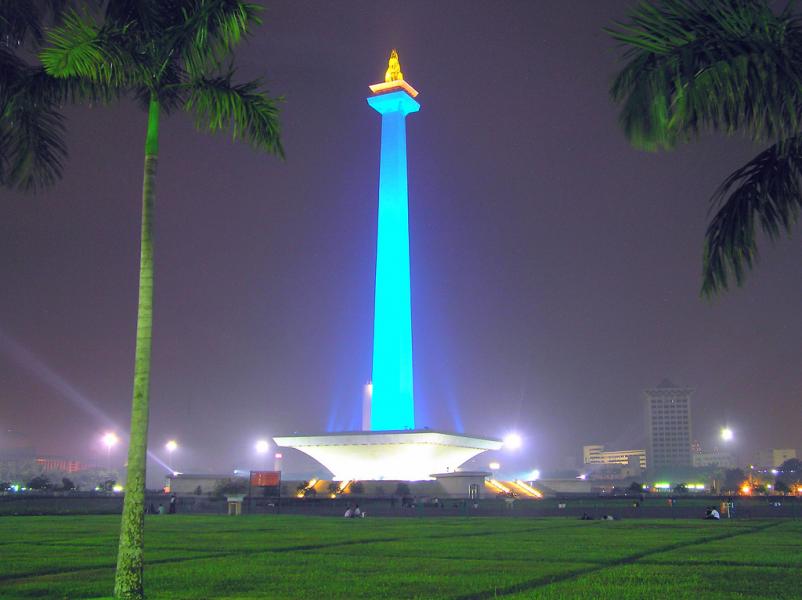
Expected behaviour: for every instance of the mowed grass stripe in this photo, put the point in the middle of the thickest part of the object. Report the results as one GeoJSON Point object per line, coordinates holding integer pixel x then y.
{"type": "Point", "coordinates": [638, 581]}
{"type": "Point", "coordinates": [542, 582]}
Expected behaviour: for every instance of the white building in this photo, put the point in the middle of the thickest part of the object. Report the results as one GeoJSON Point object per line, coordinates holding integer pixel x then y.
{"type": "Point", "coordinates": [772, 458]}
{"type": "Point", "coordinates": [595, 454]}
{"type": "Point", "coordinates": [716, 458]}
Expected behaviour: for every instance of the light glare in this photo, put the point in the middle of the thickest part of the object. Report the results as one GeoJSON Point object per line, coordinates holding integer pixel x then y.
{"type": "Point", "coordinates": [512, 441]}
{"type": "Point", "coordinates": [727, 434]}
{"type": "Point", "coordinates": [262, 446]}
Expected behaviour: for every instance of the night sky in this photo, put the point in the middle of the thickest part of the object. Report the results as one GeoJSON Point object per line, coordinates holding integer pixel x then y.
{"type": "Point", "coordinates": [555, 269]}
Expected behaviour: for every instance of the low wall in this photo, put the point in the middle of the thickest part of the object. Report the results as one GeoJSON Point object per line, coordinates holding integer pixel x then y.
{"type": "Point", "coordinates": [573, 507]}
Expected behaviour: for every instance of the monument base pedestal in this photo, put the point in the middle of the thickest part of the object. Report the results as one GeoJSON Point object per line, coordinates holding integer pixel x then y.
{"type": "Point", "coordinates": [410, 455]}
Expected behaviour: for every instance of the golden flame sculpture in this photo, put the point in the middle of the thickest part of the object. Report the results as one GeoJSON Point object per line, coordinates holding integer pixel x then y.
{"type": "Point", "coordinates": [393, 68]}
{"type": "Point", "coordinates": [393, 78]}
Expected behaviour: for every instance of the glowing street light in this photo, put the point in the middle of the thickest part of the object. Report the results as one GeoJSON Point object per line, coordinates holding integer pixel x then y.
{"type": "Point", "coordinates": [727, 435]}
{"type": "Point", "coordinates": [534, 475]}
{"type": "Point", "coordinates": [512, 441]}
{"type": "Point", "coordinates": [262, 446]}
{"type": "Point", "coordinates": [494, 466]}
{"type": "Point", "coordinates": [110, 440]}
{"type": "Point", "coordinates": [171, 446]}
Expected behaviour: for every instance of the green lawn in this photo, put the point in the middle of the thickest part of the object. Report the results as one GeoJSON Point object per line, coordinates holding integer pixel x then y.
{"type": "Point", "coordinates": [315, 557]}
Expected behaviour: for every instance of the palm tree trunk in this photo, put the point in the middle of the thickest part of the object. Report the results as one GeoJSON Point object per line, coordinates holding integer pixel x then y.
{"type": "Point", "coordinates": [128, 582]}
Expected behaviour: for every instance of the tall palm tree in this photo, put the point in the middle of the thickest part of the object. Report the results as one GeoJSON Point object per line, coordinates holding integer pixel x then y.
{"type": "Point", "coordinates": [731, 66]}
{"type": "Point", "coordinates": [169, 54]}
{"type": "Point", "coordinates": [32, 148]}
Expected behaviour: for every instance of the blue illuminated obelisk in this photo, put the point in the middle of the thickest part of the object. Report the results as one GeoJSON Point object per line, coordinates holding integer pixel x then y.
{"type": "Point", "coordinates": [389, 447]}
{"type": "Point", "coordinates": [392, 404]}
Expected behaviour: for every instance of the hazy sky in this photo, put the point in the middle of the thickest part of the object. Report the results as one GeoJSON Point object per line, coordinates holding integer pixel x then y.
{"type": "Point", "coordinates": [555, 270]}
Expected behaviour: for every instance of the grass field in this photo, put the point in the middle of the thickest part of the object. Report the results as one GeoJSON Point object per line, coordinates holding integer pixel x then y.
{"type": "Point", "coordinates": [313, 557]}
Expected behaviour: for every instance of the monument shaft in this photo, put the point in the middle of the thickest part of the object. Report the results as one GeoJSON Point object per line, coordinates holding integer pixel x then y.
{"type": "Point", "coordinates": [392, 405]}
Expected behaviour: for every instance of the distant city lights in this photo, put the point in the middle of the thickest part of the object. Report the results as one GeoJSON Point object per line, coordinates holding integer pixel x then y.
{"type": "Point", "coordinates": [512, 441]}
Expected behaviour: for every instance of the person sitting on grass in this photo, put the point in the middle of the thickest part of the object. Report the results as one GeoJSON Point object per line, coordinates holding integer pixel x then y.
{"type": "Point", "coordinates": [712, 513]}
{"type": "Point", "coordinates": [349, 513]}
{"type": "Point", "coordinates": [357, 512]}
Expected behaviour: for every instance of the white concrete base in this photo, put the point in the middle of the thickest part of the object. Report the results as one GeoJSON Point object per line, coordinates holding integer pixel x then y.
{"type": "Point", "coordinates": [397, 455]}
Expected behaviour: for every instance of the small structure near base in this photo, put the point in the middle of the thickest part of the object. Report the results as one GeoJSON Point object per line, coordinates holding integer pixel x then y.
{"type": "Point", "coordinates": [235, 504]}
{"type": "Point", "coordinates": [469, 485]}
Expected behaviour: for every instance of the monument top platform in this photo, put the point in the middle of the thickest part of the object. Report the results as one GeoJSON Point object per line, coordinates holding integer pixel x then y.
{"type": "Point", "coordinates": [390, 86]}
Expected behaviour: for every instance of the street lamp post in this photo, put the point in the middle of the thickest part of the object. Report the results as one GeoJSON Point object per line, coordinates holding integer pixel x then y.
{"type": "Point", "coordinates": [110, 440]}
{"type": "Point", "coordinates": [512, 441]}
{"type": "Point", "coordinates": [171, 446]}
{"type": "Point", "coordinates": [262, 448]}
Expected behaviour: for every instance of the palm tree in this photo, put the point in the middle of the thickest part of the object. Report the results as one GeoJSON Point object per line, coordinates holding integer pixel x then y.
{"type": "Point", "coordinates": [731, 66]}
{"type": "Point", "coordinates": [32, 148]}
{"type": "Point", "coordinates": [169, 55]}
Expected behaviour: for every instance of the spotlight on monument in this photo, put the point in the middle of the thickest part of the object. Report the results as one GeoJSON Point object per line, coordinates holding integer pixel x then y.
{"type": "Point", "coordinates": [512, 441]}
{"type": "Point", "coordinates": [262, 446]}
{"type": "Point", "coordinates": [727, 435]}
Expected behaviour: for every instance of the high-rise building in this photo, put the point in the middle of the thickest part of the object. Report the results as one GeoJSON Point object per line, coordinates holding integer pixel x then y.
{"type": "Point", "coordinates": [668, 414]}
{"type": "Point", "coordinates": [597, 455]}
{"type": "Point", "coordinates": [773, 457]}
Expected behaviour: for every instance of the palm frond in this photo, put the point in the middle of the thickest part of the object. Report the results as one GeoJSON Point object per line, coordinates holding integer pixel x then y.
{"type": "Point", "coordinates": [248, 112]}
{"type": "Point", "coordinates": [694, 64]}
{"type": "Point", "coordinates": [765, 192]}
{"type": "Point", "coordinates": [81, 48]}
{"type": "Point", "coordinates": [31, 143]}
{"type": "Point", "coordinates": [20, 20]}
{"type": "Point", "coordinates": [24, 20]}
{"type": "Point", "coordinates": [209, 30]}
{"type": "Point", "coordinates": [11, 69]}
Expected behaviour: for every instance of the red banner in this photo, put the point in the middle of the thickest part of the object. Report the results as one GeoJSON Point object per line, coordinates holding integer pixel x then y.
{"type": "Point", "coordinates": [265, 478]}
